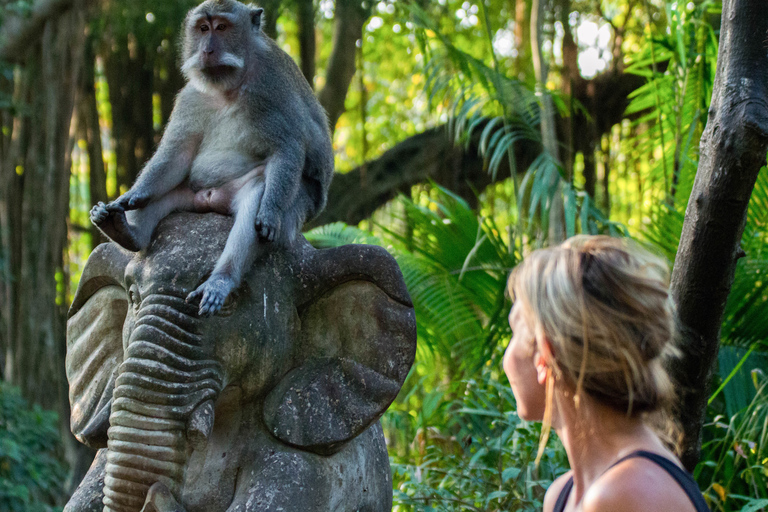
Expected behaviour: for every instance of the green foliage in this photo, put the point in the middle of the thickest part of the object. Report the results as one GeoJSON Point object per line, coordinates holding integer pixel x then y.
{"type": "Point", "coordinates": [455, 265]}
{"type": "Point", "coordinates": [32, 474]}
{"type": "Point", "coordinates": [485, 105]}
{"type": "Point", "coordinates": [22, 8]}
{"type": "Point", "coordinates": [669, 112]}
{"type": "Point", "coordinates": [733, 472]}
{"type": "Point", "coordinates": [472, 452]}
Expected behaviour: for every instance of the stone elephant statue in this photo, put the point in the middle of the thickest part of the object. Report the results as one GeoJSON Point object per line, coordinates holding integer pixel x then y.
{"type": "Point", "coordinates": [271, 405]}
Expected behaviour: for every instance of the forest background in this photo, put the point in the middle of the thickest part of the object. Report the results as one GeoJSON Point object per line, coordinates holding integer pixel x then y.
{"type": "Point", "coordinates": [467, 133]}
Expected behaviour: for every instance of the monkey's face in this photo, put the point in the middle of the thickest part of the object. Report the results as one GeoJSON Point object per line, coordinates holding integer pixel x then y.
{"type": "Point", "coordinates": [217, 40]}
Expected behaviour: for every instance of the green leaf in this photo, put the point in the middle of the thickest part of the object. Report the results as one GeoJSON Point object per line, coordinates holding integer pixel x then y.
{"type": "Point", "coordinates": [510, 473]}
{"type": "Point", "coordinates": [755, 506]}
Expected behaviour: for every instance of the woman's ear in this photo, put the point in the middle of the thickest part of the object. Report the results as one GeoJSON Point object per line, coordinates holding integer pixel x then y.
{"type": "Point", "coordinates": [543, 359]}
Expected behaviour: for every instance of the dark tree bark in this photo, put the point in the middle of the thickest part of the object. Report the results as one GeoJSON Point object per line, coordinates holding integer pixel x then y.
{"type": "Point", "coordinates": [427, 156]}
{"type": "Point", "coordinates": [37, 169]}
{"type": "Point", "coordinates": [733, 149]}
{"type": "Point", "coordinates": [90, 130]}
{"type": "Point", "coordinates": [18, 30]}
{"type": "Point", "coordinates": [272, 10]}
{"type": "Point", "coordinates": [349, 19]}
{"type": "Point", "coordinates": [305, 13]}
{"type": "Point", "coordinates": [132, 108]}
{"type": "Point", "coordinates": [169, 80]}
{"type": "Point", "coordinates": [34, 207]}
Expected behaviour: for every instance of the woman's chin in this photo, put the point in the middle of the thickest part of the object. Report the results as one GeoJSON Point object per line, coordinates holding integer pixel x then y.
{"type": "Point", "coordinates": [526, 415]}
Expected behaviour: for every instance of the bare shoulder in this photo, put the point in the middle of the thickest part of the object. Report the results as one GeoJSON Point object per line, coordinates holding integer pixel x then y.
{"type": "Point", "coordinates": [636, 485]}
{"type": "Point", "coordinates": [554, 490]}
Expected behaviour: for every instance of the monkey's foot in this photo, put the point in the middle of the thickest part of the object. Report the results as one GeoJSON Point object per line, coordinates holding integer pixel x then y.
{"type": "Point", "coordinates": [212, 294]}
{"type": "Point", "coordinates": [111, 220]}
{"type": "Point", "coordinates": [160, 499]}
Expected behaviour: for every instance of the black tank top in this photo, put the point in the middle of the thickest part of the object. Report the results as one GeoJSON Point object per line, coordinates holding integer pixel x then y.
{"type": "Point", "coordinates": [681, 476]}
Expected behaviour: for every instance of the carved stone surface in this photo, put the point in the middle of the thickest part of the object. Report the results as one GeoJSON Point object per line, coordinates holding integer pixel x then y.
{"type": "Point", "coordinates": [272, 405]}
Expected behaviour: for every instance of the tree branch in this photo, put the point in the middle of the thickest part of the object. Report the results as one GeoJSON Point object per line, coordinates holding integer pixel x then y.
{"type": "Point", "coordinates": [733, 149]}
{"type": "Point", "coordinates": [430, 155]}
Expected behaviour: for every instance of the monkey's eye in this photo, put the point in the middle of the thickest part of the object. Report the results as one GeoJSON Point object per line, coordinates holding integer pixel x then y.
{"type": "Point", "coordinates": [204, 28]}
{"type": "Point", "coordinates": [221, 28]}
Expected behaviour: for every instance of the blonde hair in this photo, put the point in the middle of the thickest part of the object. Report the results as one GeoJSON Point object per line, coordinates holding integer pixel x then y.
{"type": "Point", "coordinates": [604, 305]}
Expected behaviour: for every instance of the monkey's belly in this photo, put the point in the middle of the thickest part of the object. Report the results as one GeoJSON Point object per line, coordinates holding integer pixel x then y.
{"type": "Point", "coordinates": [214, 169]}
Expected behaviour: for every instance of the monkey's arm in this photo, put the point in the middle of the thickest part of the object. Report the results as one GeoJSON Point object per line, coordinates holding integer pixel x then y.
{"type": "Point", "coordinates": [283, 179]}
{"type": "Point", "coordinates": [170, 164]}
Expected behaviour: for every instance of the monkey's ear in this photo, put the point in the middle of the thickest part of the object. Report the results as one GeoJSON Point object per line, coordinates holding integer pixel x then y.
{"type": "Point", "coordinates": [256, 13]}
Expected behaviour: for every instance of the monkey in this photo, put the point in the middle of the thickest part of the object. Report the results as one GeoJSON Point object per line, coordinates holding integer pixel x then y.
{"type": "Point", "coordinates": [246, 137]}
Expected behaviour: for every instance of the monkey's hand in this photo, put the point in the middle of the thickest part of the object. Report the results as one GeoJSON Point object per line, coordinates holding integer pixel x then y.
{"type": "Point", "coordinates": [268, 224]}
{"type": "Point", "coordinates": [212, 294]}
{"type": "Point", "coordinates": [131, 200]}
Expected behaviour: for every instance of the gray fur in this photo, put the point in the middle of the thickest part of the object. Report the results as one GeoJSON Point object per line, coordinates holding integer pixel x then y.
{"type": "Point", "coordinates": [248, 127]}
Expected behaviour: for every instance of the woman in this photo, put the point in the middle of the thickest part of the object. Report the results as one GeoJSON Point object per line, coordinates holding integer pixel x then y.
{"type": "Point", "coordinates": [593, 324]}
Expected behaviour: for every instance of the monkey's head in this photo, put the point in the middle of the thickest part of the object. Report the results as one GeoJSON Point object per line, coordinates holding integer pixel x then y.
{"type": "Point", "coordinates": [217, 41]}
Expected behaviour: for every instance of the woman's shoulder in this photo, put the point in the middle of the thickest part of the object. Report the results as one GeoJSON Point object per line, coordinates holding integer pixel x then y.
{"type": "Point", "coordinates": [554, 490]}
{"type": "Point", "coordinates": [636, 485]}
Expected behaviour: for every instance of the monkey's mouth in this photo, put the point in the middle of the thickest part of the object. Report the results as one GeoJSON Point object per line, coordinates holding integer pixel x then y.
{"type": "Point", "coordinates": [219, 72]}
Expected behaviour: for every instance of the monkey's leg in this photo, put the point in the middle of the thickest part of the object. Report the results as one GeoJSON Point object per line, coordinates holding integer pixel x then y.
{"type": "Point", "coordinates": [238, 254]}
{"type": "Point", "coordinates": [133, 229]}
{"type": "Point", "coordinates": [283, 180]}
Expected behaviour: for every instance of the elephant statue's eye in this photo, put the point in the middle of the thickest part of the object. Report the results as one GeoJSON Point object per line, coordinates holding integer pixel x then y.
{"type": "Point", "coordinates": [134, 297]}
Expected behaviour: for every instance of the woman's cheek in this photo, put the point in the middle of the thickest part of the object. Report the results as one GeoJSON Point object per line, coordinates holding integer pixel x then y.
{"type": "Point", "coordinates": [506, 363]}
{"type": "Point", "coordinates": [522, 375]}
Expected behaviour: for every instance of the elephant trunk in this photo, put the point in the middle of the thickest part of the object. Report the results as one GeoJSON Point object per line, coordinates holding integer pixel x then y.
{"type": "Point", "coordinates": [162, 403]}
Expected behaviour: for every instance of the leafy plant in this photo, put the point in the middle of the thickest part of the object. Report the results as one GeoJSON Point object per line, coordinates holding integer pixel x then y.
{"type": "Point", "coordinates": [733, 472]}
{"type": "Point", "coordinates": [500, 114]}
{"type": "Point", "coordinates": [669, 112]}
{"type": "Point", "coordinates": [480, 458]}
{"type": "Point", "coordinates": [32, 473]}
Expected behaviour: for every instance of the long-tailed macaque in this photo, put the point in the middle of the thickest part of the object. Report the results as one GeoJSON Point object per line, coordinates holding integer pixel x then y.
{"type": "Point", "coordinates": [246, 137]}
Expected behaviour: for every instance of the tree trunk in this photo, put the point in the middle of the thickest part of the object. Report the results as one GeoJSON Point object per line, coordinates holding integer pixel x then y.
{"type": "Point", "coordinates": [548, 135]}
{"type": "Point", "coordinates": [90, 128]}
{"type": "Point", "coordinates": [733, 149]}
{"type": "Point", "coordinates": [307, 42]}
{"type": "Point", "coordinates": [522, 36]}
{"type": "Point", "coordinates": [350, 17]}
{"type": "Point", "coordinates": [272, 10]}
{"type": "Point", "coordinates": [132, 108]}
{"type": "Point", "coordinates": [169, 81]}
{"type": "Point", "coordinates": [34, 207]}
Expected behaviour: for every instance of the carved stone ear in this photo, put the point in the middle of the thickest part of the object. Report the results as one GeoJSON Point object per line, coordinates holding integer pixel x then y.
{"type": "Point", "coordinates": [256, 13]}
{"type": "Point", "coordinates": [95, 343]}
{"type": "Point", "coordinates": [357, 341]}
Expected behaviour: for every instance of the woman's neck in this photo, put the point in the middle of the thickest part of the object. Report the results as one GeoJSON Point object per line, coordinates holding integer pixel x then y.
{"type": "Point", "coordinates": [596, 436]}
